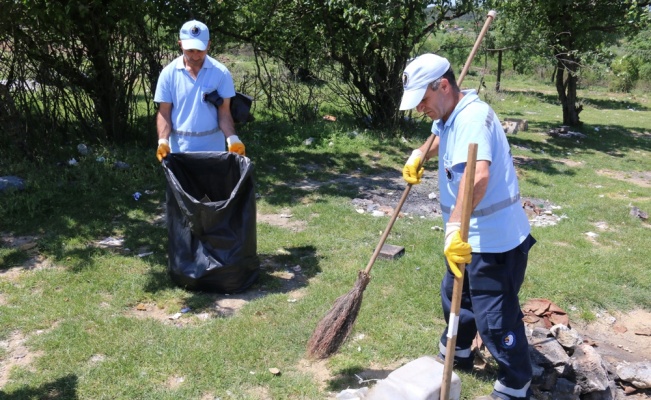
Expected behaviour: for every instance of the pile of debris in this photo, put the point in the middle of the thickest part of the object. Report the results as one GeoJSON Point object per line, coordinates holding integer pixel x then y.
{"type": "Point", "coordinates": [564, 132]}
{"type": "Point", "coordinates": [567, 366]}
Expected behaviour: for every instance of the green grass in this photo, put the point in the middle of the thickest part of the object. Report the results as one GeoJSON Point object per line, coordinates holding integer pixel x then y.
{"type": "Point", "coordinates": [87, 341]}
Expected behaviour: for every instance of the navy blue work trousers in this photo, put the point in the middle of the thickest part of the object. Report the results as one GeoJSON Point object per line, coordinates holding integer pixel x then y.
{"type": "Point", "coordinates": [490, 306]}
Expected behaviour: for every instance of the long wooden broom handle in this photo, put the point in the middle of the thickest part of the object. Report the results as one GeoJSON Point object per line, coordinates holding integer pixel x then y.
{"type": "Point", "coordinates": [489, 19]}
{"type": "Point", "coordinates": [453, 323]}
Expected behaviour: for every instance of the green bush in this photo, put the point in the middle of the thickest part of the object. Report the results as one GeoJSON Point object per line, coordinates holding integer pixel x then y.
{"type": "Point", "coordinates": [626, 73]}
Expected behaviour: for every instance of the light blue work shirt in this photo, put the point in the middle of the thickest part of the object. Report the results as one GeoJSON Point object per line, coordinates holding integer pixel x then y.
{"type": "Point", "coordinates": [498, 223]}
{"type": "Point", "coordinates": [195, 123]}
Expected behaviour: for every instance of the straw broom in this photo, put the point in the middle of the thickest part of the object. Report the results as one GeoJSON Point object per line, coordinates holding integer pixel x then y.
{"type": "Point", "coordinates": [335, 326]}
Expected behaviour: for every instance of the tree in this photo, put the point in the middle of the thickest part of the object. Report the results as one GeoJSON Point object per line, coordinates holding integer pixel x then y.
{"type": "Point", "coordinates": [360, 47]}
{"type": "Point", "coordinates": [568, 32]}
{"type": "Point", "coordinates": [78, 68]}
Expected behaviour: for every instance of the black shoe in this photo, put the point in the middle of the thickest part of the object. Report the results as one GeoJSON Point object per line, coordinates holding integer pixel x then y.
{"type": "Point", "coordinates": [464, 364]}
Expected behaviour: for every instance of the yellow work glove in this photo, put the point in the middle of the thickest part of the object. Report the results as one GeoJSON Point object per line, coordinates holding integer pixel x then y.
{"type": "Point", "coordinates": [234, 145]}
{"type": "Point", "coordinates": [163, 149]}
{"type": "Point", "coordinates": [456, 251]}
{"type": "Point", "coordinates": [411, 171]}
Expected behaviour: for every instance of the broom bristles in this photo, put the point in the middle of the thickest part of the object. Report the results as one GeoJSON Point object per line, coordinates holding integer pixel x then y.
{"type": "Point", "coordinates": [335, 326]}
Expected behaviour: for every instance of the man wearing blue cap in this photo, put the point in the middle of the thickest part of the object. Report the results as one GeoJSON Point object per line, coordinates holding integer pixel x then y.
{"type": "Point", "coordinates": [499, 239]}
{"type": "Point", "coordinates": [186, 122]}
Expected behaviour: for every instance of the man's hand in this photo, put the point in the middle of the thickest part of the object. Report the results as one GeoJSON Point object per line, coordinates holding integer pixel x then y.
{"type": "Point", "coordinates": [235, 145]}
{"type": "Point", "coordinates": [413, 171]}
{"type": "Point", "coordinates": [163, 149]}
{"type": "Point", "coordinates": [456, 251]}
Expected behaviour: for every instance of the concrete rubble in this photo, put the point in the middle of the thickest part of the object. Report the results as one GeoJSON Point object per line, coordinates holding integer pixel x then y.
{"type": "Point", "coordinates": [566, 366]}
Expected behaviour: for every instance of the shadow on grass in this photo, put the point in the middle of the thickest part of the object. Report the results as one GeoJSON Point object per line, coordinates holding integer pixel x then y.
{"type": "Point", "coordinates": [278, 274]}
{"type": "Point", "coordinates": [64, 388]}
{"type": "Point", "coordinates": [600, 104]}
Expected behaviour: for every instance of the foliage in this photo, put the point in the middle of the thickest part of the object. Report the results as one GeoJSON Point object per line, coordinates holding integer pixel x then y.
{"type": "Point", "coordinates": [567, 32]}
{"type": "Point", "coordinates": [626, 71]}
{"type": "Point", "coordinates": [359, 47]}
{"type": "Point", "coordinates": [80, 68]}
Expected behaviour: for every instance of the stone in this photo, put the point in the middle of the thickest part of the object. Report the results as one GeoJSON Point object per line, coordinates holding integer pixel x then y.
{"type": "Point", "coordinates": [591, 373]}
{"type": "Point", "coordinates": [637, 373]}
{"type": "Point", "coordinates": [566, 337]}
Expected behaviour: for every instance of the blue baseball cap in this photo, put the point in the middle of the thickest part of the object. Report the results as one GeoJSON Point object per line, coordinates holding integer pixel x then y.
{"type": "Point", "coordinates": [194, 35]}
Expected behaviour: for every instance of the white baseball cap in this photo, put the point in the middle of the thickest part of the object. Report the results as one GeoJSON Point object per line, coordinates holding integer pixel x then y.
{"type": "Point", "coordinates": [194, 35]}
{"type": "Point", "coordinates": [423, 70]}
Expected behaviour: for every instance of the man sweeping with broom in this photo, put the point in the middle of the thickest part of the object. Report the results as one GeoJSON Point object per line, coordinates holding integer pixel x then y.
{"type": "Point", "coordinates": [499, 237]}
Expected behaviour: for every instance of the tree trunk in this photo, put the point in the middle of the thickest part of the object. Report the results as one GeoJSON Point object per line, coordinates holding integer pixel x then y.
{"type": "Point", "coordinates": [566, 88]}
{"type": "Point", "coordinates": [499, 71]}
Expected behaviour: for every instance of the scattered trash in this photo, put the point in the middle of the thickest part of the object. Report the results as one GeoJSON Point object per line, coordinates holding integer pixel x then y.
{"type": "Point", "coordinates": [72, 161]}
{"type": "Point", "coordinates": [330, 118]}
{"type": "Point", "coordinates": [437, 228]}
{"type": "Point", "coordinates": [82, 149]}
{"type": "Point", "coordinates": [297, 268]}
{"type": "Point", "coordinates": [100, 159]}
{"type": "Point", "coordinates": [291, 300]}
{"type": "Point", "coordinates": [185, 310]}
{"type": "Point", "coordinates": [274, 371]}
{"type": "Point", "coordinates": [175, 316]}
{"type": "Point", "coordinates": [141, 307]}
{"type": "Point", "coordinates": [136, 196]}
{"type": "Point", "coordinates": [591, 234]}
{"type": "Point", "coordinates": [111, 242]}
{"type": "Point", "coordinates": [145, 254]}
{"type": "Point", "coordinates": [564, 132]}
{"type": "Point", "coordinates": [432, 196]}
{"type": "Point", "coordinates": [377, 213]}
{"type": "Point", "coordinates": [636, 212]}
{"type": "Point", "coordinates": [308, 141]}
{"type": "Point", "coordinates": [14, 182]}
{"type": "Point", "coordinates": [286, 215]}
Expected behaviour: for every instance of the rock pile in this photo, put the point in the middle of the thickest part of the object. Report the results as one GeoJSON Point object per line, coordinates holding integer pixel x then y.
{"type": "Point", "coordinates": [568, 367]}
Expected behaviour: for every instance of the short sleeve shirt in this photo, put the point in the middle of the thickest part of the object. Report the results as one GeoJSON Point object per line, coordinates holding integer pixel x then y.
{"type": "Point", "coordinates": [195, 124]}
{"type": "Point", "coordinates": [498, 223]}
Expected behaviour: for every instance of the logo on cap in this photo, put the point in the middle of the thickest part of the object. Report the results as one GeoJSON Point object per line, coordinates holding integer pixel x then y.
{"type": "Point", "coordinates": [195, 31]}
{"type": "Point", "coordinates": [405, 80]}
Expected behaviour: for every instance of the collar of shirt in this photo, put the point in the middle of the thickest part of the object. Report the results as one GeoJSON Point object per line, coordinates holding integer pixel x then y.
{"type": "Point", "coordinates": [469, 96]}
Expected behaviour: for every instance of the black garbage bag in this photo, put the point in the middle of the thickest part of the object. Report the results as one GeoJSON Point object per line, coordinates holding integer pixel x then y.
{"type": "Point", "coordinates": [211, 221]}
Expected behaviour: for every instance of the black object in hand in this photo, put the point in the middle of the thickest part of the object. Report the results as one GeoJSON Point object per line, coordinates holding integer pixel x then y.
{"type": "Point", "coordinates": [214, 98]}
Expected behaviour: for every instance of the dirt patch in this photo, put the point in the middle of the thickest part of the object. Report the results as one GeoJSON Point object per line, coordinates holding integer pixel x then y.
{"type": "Point", "coordinates": [29, 245]}
{"type": "Point", "coordinates": [380, 194]}
{"type": "Point", "coordinates": [639, 178]}
{"type": "Point", "coordinates": [16, 355]}
{"type": "Point", "coordinates": [619, 336]}
{"type": "Point", "coordinates": [285, 219]}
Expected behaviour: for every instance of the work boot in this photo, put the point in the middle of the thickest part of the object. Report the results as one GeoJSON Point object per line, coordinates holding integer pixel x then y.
{"type": "Point", "coordinates": [464, 364]}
